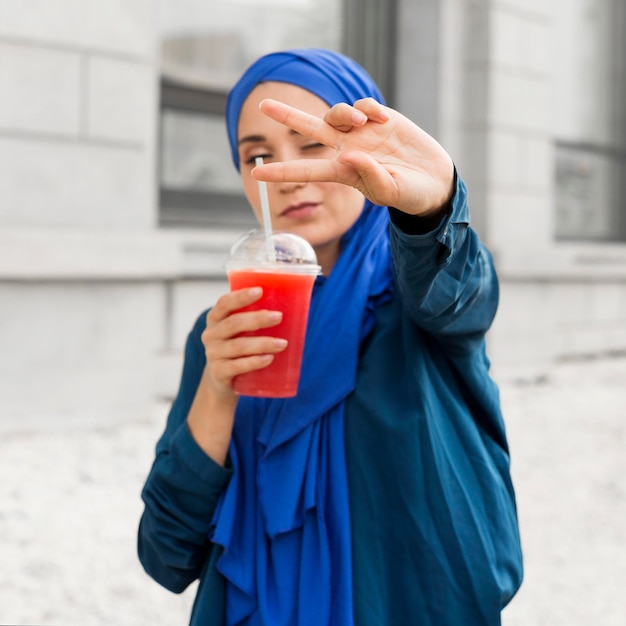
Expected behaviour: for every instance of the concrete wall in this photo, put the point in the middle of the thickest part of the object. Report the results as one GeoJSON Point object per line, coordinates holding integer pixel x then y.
{"type": "Point", "coordinates": [77, 114]}
{"type": "Point", "coordinates": [82, 310]}
{"type": "Point", "coordinates": [96, 300]}
{"type": "Point", "coordinates": [558, 300]}
{"type": "Point", "coordinates": [480, 78]}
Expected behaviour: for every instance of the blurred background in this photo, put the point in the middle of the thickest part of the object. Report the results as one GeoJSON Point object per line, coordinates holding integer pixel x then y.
{"type": "Point", "coordinates": [118, 200]}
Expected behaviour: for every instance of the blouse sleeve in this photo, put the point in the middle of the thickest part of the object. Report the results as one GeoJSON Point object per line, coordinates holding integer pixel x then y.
{"type": "Point", "coordinates": [447, 278]}
{"type": "Point", "coordinates": [182, 489]}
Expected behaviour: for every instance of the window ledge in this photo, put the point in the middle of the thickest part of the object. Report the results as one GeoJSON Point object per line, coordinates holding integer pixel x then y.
{"type": "Point", "coordinates": [566, 262]}
{"type": "Point", "coordinates": [77, 255]}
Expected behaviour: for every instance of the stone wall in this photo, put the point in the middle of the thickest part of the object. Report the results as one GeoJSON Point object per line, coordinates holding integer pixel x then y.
{"type": "Point", "coordinates": [96, 300]}
{"type": "Point", "coordinates": [81, 313]}
{"type": "Point", "coordinates": [480, 78]}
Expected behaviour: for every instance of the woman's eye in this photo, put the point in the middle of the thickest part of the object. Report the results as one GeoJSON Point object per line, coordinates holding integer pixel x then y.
{"type": "Point", "coordinates": [314, 146]}
{"type": "Point", "coordinates": [251, 160]}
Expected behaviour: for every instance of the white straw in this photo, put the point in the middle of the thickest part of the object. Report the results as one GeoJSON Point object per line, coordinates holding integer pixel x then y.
{"type": "Point", "coordinates": [265, 212]}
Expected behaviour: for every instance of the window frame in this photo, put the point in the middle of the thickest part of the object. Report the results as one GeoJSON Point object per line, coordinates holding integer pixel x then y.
{"type": "Point", "coordinates": [368, 36]}
{"type": "Point", "coordinates": [613, 150]}
{"type": "Point", "coordinates": [189, 208]}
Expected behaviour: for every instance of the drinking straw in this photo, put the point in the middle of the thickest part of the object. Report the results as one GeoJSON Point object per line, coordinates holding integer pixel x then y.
{"type": "Point", "coordinates": [265, 213]}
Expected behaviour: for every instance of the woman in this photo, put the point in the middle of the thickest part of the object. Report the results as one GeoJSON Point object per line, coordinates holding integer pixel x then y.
{"type": "Point", "coordinates": [380, 494]}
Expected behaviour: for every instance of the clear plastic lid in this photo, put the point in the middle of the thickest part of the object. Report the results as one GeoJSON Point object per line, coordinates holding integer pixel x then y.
{"type": "Point", "coordinates": [292, 253]}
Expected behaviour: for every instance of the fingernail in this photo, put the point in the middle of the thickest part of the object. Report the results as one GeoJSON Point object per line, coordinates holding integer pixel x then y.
{"type": "Point", "coordinates": [280, 343]}
{"type": "Point", "coordinates": [255, 292]}
{"type": "Point", "coordinates": [276, 316]}
{"type": "Point", "coordinates": [358, 117]}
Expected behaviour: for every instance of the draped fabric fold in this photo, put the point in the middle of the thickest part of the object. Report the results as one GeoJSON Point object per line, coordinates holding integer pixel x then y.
{"type": "Point", "coordinates": [287, 502]}
{"type": "Point", "coordinates": [284, 519]}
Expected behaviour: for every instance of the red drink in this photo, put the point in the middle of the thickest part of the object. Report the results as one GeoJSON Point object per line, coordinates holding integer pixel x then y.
{"type": "Point", "coordinates": [290, 293]}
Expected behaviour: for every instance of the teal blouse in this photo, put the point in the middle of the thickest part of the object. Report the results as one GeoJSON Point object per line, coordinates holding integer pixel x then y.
{"type": "Point", "coordinates": [434, 528]}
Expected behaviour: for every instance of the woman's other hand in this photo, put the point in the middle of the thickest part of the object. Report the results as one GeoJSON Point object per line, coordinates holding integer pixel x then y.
{"type": "Point", "coordinates": [228, 354]}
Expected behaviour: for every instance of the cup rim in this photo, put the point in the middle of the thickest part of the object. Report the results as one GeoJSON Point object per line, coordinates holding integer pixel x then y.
{"type": "Point", "coordinates": [275, 268]}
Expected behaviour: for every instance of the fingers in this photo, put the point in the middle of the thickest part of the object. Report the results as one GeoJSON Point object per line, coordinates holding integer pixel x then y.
{"type": "Point", "coordinates": [374, 181]}
{"type": "Point", "coordinates": [373, 110]}
{"type": "Point", "coordinates": [341, 117]}
{"type": "Point", "coordinates": [232, 301]}
{"type": "Point", "coordinates": [298, 120]}
{"type": "Point", "coordinates": [228, 318]}
{"type": "Point", "coordinates": [378, 151]}
{"type": "Point", "coordinates": [224, 369]}
{"type": "Point", "coordinates": [334, 131]}
{"type": "Point", "coordinates": [306, 170]}
{"type": "Point", "coordinates": [228, 352]}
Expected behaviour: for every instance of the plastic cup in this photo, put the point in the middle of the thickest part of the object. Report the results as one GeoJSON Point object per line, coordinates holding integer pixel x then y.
{"type": "Point", "coordinates": [287, 285]}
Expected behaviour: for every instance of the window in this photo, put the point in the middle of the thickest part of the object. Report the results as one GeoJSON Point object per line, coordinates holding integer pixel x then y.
{"type": "Point", "coordinates": [369, 37]}
{"type": "Point", "coordinates": [199, 185]}
{"type": "Point", "coordinates": [205, 45]}
{"type": "Point", "coordinates": [590, 119]}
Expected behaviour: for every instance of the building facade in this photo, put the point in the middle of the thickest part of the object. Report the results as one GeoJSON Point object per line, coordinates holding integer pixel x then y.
{"type": "Point", "coordinates": [118, 204]}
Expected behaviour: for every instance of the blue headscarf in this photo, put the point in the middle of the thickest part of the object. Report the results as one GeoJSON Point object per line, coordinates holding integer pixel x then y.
{"type": "Point", "coordinates": [331, 76]}
{"type": "Point", "coordinates": [284, 519]}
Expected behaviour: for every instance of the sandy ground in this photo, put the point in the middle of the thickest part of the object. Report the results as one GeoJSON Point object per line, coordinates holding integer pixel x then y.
{"type": "Point", "coordinates": [69, 507]}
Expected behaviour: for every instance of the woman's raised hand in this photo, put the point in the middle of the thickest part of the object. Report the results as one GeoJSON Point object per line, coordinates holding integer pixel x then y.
{"type": "Point", "coordinates": [379, 151]}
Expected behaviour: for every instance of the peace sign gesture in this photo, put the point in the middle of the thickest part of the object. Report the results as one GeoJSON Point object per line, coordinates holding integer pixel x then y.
{"type": "Point", "coordinates": [379, 151]}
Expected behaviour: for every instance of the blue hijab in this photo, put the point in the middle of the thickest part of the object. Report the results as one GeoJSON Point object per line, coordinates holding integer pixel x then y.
{"type": "Point", "coordinates": [284, 519]}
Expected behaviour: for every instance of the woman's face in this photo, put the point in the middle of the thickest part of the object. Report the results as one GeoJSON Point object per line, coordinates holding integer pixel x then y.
{"type": "Point", "coordinates": [319, 212]}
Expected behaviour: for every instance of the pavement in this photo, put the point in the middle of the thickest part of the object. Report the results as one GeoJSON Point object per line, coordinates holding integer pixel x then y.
{"type": "Point", "coordinates": [568, 449]}
{"type": "Point", "coordinates": [70, 505]}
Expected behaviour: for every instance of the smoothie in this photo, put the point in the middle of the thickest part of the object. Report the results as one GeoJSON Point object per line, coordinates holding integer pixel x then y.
{"type": "Point", "coordinates": [289, 292]}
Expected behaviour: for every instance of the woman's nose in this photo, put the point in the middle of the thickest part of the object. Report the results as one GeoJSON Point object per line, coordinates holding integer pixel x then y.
{"type": "Point", "coordinates": [288, 186]}
{"type": "Point", "coordinates": [288, 154]}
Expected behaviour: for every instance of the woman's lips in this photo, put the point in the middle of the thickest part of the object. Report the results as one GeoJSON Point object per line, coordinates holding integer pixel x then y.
{"type": "Point", "coordinates": [299, 211]}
